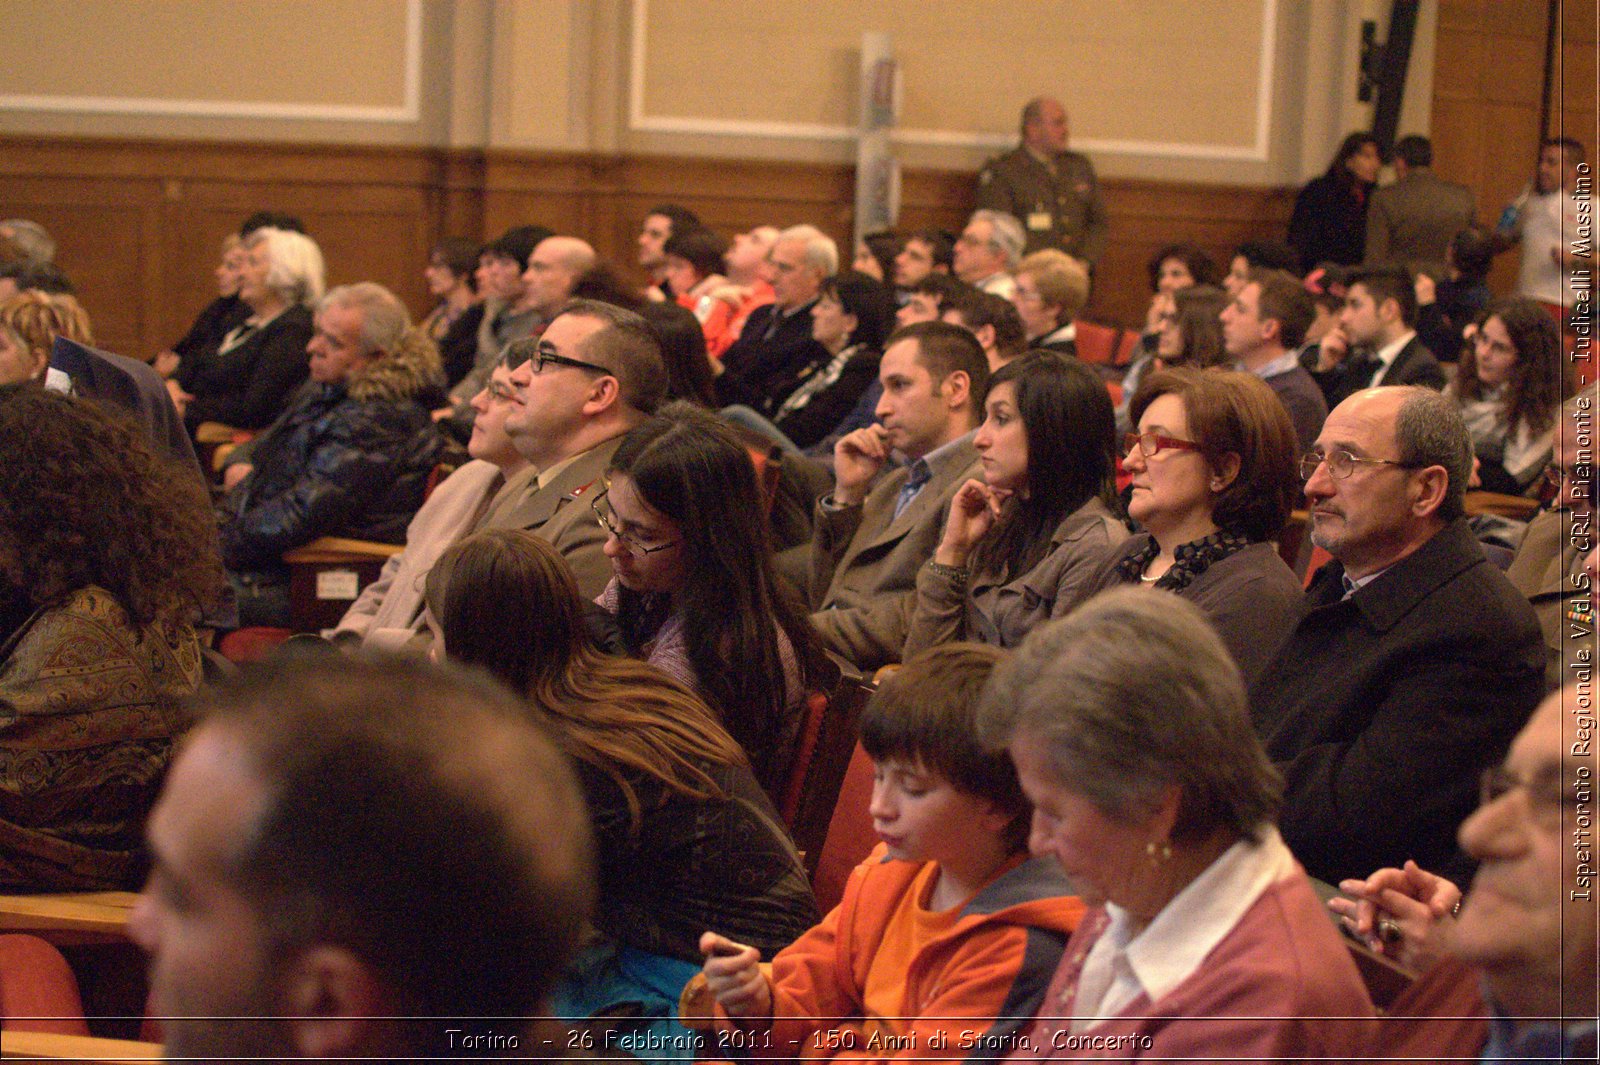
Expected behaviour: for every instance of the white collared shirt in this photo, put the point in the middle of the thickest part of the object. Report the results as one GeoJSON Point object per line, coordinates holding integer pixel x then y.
{"type": "Point", "coordinates": [1281, 365]}
{"type": "Point", "coordinates": [1387, 354]}
{"type": "Point", "coordinates": [1170, 948]}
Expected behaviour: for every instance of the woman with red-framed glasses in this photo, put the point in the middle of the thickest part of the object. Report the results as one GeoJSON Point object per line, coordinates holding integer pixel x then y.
{"type": "Point", "coordinates": [1213, 483]}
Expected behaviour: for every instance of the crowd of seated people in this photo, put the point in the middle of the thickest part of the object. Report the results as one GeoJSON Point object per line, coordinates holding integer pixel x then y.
{"type": "Point", "coordinates": [1101, 595]}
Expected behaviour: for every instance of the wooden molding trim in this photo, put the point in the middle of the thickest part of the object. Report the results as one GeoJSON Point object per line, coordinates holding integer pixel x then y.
{"type": "Point", "coordinates": [138, 221]}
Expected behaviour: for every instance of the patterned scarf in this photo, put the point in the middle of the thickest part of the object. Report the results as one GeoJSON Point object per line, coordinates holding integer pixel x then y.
{"type": "Point", "coordinates": [1189, 561]}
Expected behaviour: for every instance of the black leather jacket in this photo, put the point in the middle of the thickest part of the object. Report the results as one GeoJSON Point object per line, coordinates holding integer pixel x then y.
{"type": "Point", "coordinates": [343, 460]}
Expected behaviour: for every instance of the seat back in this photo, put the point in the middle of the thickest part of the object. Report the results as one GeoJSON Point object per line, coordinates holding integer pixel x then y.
{"type": "Point", "coordinates": [1104, 345]}
{"type": "Point", "coordinates": [822, 754]}
{"type": "Point", "coordinates": [38, 992]}
{"type": "Point", "coordinates": [768, 471]}
{"type": "Point", "coordinates": [849, 838]}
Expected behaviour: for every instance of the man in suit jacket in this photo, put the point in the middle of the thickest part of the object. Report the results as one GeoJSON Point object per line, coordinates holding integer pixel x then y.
{"type": "Point", "coordinates": [1548, 567]}
{"type": "Point", "coordinates": [1411, 222]}
{"type": "Point", "coordinates": [1415, 661]}
{"type": "Point", "coordinates": [776, 341]}
{"type": "Point", "coordinates": [872, 540]}
{"type": "Point", "coordinates": [129, 384]}
{"type": "Point", "coordinates": [1376, 341]}
{"type": "Point", "coordinates": [594, 374]}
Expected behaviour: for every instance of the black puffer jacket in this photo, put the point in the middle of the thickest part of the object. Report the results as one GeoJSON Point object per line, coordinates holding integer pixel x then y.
{"type": "Point", "coordinates": [344, 460]}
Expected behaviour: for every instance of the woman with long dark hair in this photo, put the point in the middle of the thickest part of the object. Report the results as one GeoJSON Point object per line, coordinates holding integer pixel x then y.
{"type": "Point", "coordinates": [1019, 543]}
{"type": "Point", "coordinates": [673, 801]}
{"type": "Point", "coordinates": [1191, 330]}
{"type": "Point", "coordinates": [695, 591]}
{"type": "Point", "coordinates": [1329, 223]}
{"type": "Point", "coordinates": [1510, 385]}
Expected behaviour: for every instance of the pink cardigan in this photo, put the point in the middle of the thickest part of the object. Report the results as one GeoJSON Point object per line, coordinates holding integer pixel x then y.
{"type": "Point", "coordinates": [1279, 986]}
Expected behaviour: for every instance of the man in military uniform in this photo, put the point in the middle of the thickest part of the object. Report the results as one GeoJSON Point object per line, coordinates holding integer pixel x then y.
{"type": "Point", "coordinates": [1050, 189]}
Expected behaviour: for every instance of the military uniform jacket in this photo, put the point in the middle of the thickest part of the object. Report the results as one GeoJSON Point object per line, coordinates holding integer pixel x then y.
{"type": "Point", "coordinates": [1058, 207]}
{"type": "Point", "coordinates": [561, 513]}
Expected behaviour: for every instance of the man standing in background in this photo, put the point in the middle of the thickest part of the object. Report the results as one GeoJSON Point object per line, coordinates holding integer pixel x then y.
{"type": "Point", "coordinates": [1050, 189]}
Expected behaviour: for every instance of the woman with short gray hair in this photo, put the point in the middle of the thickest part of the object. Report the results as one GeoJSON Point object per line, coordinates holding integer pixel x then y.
{"type": "Point", "coordinates": [1128, 724]}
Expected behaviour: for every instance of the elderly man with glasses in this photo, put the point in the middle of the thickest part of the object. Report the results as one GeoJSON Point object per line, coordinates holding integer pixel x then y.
{"type": "Point", "coordinates": [1415, 661]}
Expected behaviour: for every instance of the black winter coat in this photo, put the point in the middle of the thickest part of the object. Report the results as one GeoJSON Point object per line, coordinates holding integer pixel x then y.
{"type": "Point", "coordinates": [344, 460]}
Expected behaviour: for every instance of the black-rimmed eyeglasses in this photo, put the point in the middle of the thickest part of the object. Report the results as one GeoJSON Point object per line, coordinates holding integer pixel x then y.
{"type": "Point", "coordinates": [631, 543]}
{"type": "Point", "coordinates": [542, 353]}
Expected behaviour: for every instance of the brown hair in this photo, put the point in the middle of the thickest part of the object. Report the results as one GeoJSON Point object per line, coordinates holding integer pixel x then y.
{"type": "Point", "coordinates": [926, 712]}
{"type": "Point", "coordinates": [1234, 413]}
{"type": "Point", "coordinates": [88, 501]}
{"type": "Point", "coordinates": [1284, 300]}
{"type": "Point", "coordinates": [404, 806]}
{"type": "Point", "coordinates": [506, 601]}
{"type": "Point", "coordinates": [1540, 379]}
{"type": "Point", "coordinates": [1199, 327]}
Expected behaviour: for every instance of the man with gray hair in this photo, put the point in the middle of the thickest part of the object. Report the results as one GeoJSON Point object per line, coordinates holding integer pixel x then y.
{"type": "Point", "coordinates": [988, 250]}
{"type": "Point", "coordinates": [776, 342]}
{"type": "Point", "coordinates": [1415, 661]}
{"type": "Point", "coordinates": [1052, 190]}
{"type": "Point", "coordinates": [30, 238]}
{"type": "Point", "coordinates": [350, 457]}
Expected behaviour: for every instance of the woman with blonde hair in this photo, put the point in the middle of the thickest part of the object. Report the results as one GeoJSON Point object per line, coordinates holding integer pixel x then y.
{"type": "Point", "coordinates": [674, 803]}
{"type": "Point", "coordinates": [29, 324]}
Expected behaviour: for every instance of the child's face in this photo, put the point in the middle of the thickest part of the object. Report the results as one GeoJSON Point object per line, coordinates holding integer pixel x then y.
{"type": "Point", "coordinates": [922, 817]}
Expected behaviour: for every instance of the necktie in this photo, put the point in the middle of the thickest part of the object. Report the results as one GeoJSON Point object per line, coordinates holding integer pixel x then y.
{"type": "Point", "coordinates": [919, 475]}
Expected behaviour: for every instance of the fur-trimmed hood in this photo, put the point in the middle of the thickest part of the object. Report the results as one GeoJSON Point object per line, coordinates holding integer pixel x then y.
{"type": "Point", "coordinates": [404, 374]}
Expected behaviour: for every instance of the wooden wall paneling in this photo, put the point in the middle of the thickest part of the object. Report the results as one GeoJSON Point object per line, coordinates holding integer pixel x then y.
{"type": "Point", "coordinates": [140, 222]}
{"type": "Point", "coordinates": [1146, 215]}
{"type": "Point", "coordinates": [1486, 103]}
{"type": "Point", "coordinates": [1573, 89]}
{"type": "Point", "coordinates": [459, 198]}
{"type": "Point", "coordinates": [104, 230]}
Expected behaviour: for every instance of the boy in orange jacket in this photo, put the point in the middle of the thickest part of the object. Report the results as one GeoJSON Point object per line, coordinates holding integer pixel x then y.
{"type": "Point", "coordinates": [948, 934]}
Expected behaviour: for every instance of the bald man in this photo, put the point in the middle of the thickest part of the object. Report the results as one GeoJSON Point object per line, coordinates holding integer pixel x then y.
{"type": "Point", "coordinates": [1051, 190]}
{"type": "Point", "coordinates": [553, 272]}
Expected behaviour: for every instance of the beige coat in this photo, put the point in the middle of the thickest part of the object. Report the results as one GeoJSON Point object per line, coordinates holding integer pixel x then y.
{"type": "Point", "coordinates": [1548, 569]}
{"type": "Point", "coordinates": [864, 560]}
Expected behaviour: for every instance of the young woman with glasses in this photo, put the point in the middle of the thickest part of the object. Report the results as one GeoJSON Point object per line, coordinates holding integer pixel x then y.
{"type": "Point", "coordinates": [1018, 543]}
{"type": "Point", "coordinates": [695, 592]}
{"type": "Point", "coordinates": [1214, 481]}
